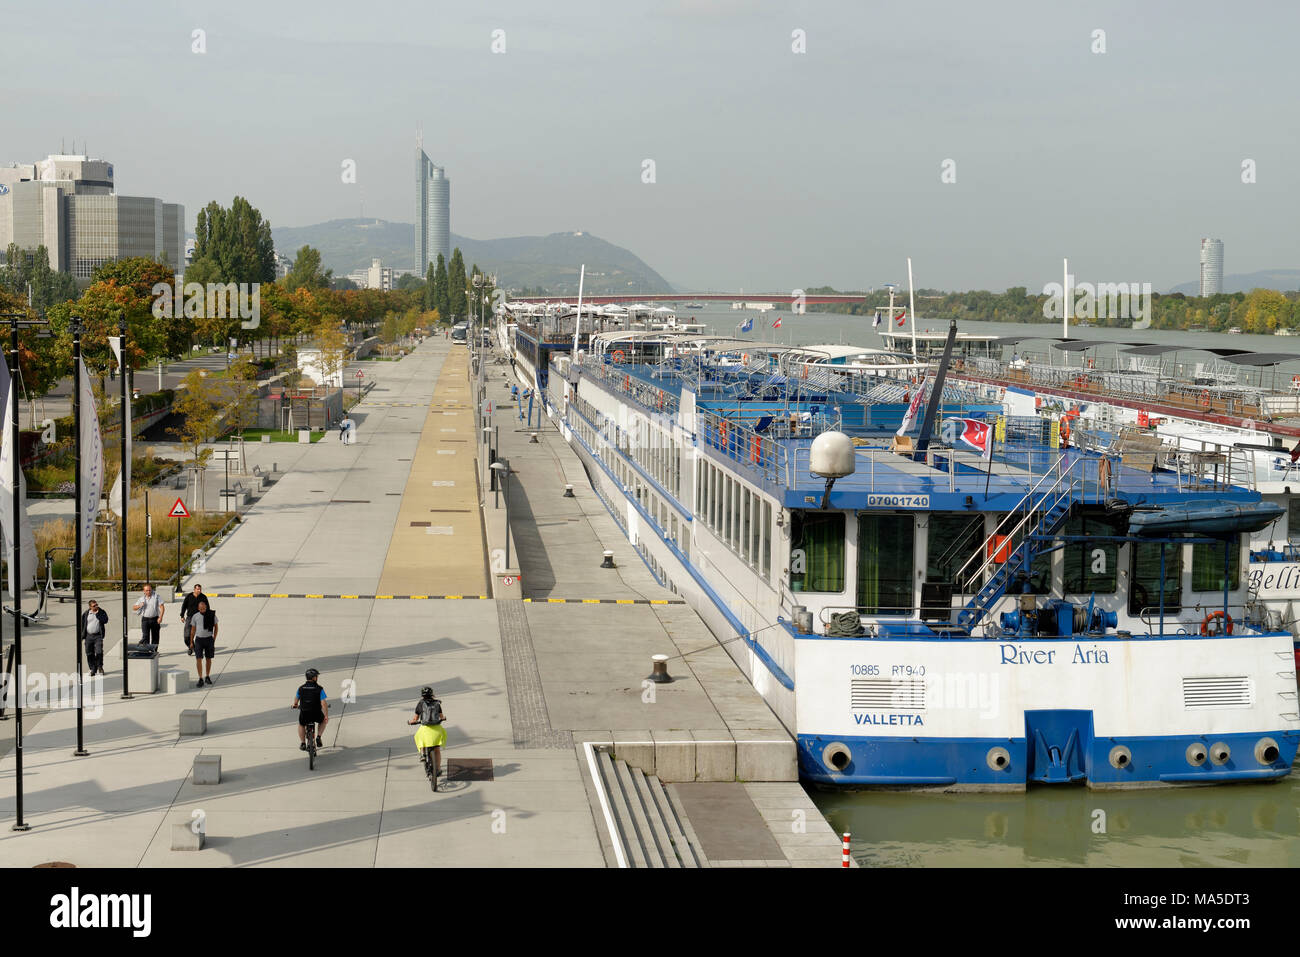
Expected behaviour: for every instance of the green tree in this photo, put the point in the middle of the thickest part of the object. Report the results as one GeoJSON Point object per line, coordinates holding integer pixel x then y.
{"type": "Point", "coordinates": [306, 271]}
{"type": "Point", "coordinates": [457, 300]}
{"type": "Point", "coordinates": [30, 269]}
{"type": "Point", "coordinates": [232, 245]}
{"type": "Point", "coordinates": [440, 300]}
{"type": "Point", "coordinates": [198, 405]}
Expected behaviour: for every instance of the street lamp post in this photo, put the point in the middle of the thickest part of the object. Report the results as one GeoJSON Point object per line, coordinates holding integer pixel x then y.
{"type": "Point", "coordinates": [18, 681]}
{"type": "Point", "coordinates": [126, 496]}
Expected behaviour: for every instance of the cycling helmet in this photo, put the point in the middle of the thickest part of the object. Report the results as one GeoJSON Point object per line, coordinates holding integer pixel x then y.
{"type": "Point", "coordinates": [312, 673]}
{"type": "Point", "coordinates": [426, 692]}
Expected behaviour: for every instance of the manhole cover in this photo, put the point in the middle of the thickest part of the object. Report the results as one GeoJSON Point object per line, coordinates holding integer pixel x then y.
{"type": "Point", "coordinates": [469, 769]}
{"type": "Point", "coordinates": [56, 864]}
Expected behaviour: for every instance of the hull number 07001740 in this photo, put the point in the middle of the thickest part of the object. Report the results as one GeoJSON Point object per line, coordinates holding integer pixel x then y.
{"type": "Point", "coordinates": [898, 501]}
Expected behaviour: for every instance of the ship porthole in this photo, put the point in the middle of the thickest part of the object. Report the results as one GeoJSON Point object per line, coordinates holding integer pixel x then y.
{"type": "Point", "coordinates": [1220, 752]}
{"type": "Point", "coordinates": [836, 756]}
{"type": "Point", "coordinates": [1266, 751]}
{"type": "Point", "coordinates": [1196, 754]}
{"type": "Point", "coordinates": [1120, 757]}
{"type": "Point", "coordinates": [999, 759]}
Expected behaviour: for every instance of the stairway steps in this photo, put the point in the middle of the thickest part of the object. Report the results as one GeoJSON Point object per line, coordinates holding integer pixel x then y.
{"type": "Point", "coordinates": [692, 840]}
{"type": "Point", "coordinates": [658, 827]}
{"type": "Point", "coordinates": [681, 846]}
{"type": "Point", "coordinates": [622, 813]}
{"type": "Point", "coordinates": [644, 836]}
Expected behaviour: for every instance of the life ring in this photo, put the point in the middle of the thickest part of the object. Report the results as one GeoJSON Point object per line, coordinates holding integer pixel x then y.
{"type": "Point", "coordinates": [1092, 363]}
{"type": "Point", "coordinates": [722, 436]}
{"type": "Point", "coordinates": [1227, 622]}
{"type": "Point", "coordinates": [1295, 382]}
{"type": "Point", "coordinates": [1205, 399]}
{"type": "Point", "coordinates": [618, 355]}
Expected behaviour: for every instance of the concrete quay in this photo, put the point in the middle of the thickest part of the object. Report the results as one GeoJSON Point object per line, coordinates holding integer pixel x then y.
{"type": "Point", "coordinates": [523, 680]}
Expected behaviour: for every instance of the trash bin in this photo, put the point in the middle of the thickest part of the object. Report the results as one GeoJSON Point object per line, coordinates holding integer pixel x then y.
{"type": "Point", "coordinates": [142, 668]}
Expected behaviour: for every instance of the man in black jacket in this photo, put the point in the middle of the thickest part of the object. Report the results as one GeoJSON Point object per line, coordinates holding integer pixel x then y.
{"type": "Point", "coordinates": [94, 621]}
{"type": "Point", "coordinates": [188, 607]}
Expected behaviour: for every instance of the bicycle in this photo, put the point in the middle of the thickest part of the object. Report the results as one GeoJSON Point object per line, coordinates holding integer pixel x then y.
{"type": "Point", "coordinates": [310, 730]}
{"type": "Point", "coordinates": [426, 755]}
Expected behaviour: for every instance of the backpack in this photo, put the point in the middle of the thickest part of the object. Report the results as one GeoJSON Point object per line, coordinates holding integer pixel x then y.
{"type": "Point", "coordinates": [430, 711]}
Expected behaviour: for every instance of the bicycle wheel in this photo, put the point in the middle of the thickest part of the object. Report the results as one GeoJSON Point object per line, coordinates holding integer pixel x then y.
{"type": "Point", "coordinates": [311, 747]}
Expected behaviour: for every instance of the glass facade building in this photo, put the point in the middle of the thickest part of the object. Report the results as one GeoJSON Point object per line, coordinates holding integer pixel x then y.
{"type": "Point", "coordinates": [67, 205]}
{"type": "Point", "coordinates": [432, 212]}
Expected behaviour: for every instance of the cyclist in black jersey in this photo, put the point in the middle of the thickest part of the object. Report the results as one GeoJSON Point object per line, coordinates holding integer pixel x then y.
{"type": "Point", "coordinates": [313, 708]}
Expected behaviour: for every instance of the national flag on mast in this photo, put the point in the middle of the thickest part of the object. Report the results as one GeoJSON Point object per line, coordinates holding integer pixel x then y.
{"type": "Point", "coordinates": [876, 322]}
{"type": "Point", "coordinates": [92, 460]}
{"type": "Point", "coordinates": [777, 324]}
{"type": "Point", "coordinates": [23, 533]}
{"type": "Point", "coordinates": [901, 316]}
{"type": "Point", "coordinates": [976, 435]}
{"type": "Point", "coordinates": [747, 325]}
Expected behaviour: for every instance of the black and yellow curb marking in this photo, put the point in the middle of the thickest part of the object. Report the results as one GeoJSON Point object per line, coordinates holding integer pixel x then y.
{"type": "Point", "coordinates": [604, 601]}
{"type": "Point", "coordinates": [246, 594]}
{"type": "Point", "coordinates": [539, 601]}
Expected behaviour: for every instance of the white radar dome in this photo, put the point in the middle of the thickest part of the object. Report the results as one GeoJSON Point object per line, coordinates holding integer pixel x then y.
{"type": "Point", "coordinates": [832, 455]}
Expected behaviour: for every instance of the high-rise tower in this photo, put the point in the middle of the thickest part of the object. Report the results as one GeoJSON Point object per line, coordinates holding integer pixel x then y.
{"type": "Point", "coordinates": [1211, 267]}
{"type": "Point", "coordinates": [432, 212]}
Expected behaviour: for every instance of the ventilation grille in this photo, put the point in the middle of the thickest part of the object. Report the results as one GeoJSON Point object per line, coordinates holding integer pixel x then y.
{"type": "Point", "coordinates": [1218, 692]}
{"type": "Point", "coordinates": [903, 694]}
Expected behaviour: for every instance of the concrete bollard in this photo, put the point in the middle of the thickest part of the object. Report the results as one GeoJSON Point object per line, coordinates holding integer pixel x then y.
{"type": "Point", "coordinates": [194, 721]}
{"type": "Point", "coordinates": [568, 491]}
{"type": "Point", "coordinates": [184, 838]}
{"type": "Point", "coordinates": [173, 680]}
{"type": "Point", "coordinates": [659, 670]}
{"type": "Point", "coordinates": [207, 769]}
{"type": "Point", "coordinates": [609, 560]}
{"type": "Point", "coordinates": [532, 438]}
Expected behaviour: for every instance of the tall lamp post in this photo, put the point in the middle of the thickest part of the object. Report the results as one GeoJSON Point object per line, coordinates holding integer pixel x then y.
{"type": "Point", "coordinates": [126, 496]}
{"type": "Point", "coordinates": [75, 329]}
{"type": "Point", "coordinates": [17, 320]}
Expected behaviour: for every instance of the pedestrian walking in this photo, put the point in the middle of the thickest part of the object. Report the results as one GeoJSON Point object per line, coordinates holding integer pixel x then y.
{"type": "Point", "coordinates": [203, 640]}
{"type": "Point", "coordinates": [151, 611]}
{"type": "Point", "coordinates": [93, 622]}
{"type": "Point", "coordinates": [188, 607]}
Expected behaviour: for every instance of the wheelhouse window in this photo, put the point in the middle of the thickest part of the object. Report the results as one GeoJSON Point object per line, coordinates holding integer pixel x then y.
{"type": "Point", "coordinates": [1208, 565]}
{"type": "Point", "coordinates": [1090, 566]}
{"type": "Point", "coordinates": [817, 551]}
{"type": "Point", "coordinates": [886, 559]}
{"type": "Point", "coordinates": [1144, 578]}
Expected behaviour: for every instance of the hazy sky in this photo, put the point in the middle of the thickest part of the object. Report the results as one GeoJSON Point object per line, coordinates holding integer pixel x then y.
{"type": "Point", "coordinates": [774, 169]}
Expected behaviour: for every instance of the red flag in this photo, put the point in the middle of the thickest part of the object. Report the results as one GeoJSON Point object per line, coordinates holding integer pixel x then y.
{"type": "Point", "coordinates": [777, 324]}
{"type": "Point", "coordinates": [899, 320]}
{"type": "Point", "coordinates": [978, 435]}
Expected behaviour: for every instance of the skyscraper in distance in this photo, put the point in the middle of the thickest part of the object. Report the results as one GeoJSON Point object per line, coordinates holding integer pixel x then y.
{"type": "Point", "coordinates": [432, 211]}
{"type": "Point", "coordinates": [1211, 267]}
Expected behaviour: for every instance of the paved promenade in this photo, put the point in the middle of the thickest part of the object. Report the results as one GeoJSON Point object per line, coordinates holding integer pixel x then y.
{"type": "Point", "coordinates": [340, 523]}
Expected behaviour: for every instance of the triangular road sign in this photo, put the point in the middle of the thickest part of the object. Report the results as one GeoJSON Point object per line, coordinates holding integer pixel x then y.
{"type": "Point", "coordinates": [179, 510]}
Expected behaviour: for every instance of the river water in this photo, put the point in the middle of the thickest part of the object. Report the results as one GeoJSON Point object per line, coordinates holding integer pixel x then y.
{"type": "Point", "coordinates": [1254, 825]}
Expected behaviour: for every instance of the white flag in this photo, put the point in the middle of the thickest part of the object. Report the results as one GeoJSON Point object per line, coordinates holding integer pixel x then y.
{"type": "Point", "coordinates": [7, 453]}
{"type": "Point", "coordinates": [92, 461]}
{"type": "Point", "coordinates": [913, 408]}
{"type": "Point", "coordinates": [115, 495]}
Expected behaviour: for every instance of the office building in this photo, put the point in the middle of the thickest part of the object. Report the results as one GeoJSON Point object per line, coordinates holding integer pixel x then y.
{"type": "Point", "coordinates": [67, 203]}
{"type": "Point", "coordinates": [432, 212]}
{"type": "Point", "coordinates": [1211, 267]}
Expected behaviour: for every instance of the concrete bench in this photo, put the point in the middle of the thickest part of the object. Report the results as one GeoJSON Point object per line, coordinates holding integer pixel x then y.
{"type": "Point", "coordinates": [184, 838]}
{"type": "Point", "coordinates": [207, 769]}
{"type": "Point", "coordinates": [194, 721]}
